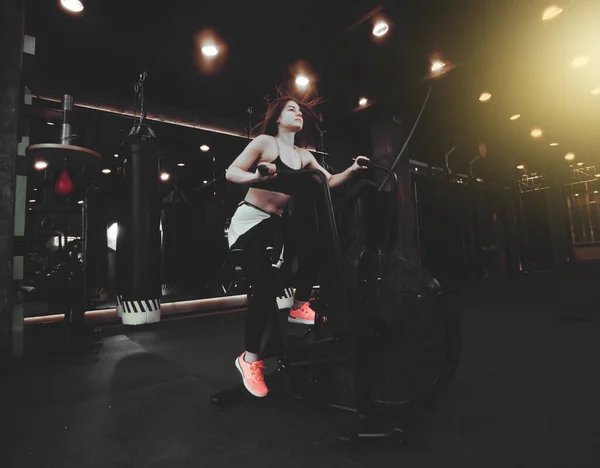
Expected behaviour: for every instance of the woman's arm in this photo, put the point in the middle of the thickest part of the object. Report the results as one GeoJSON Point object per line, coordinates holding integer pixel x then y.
{"type": "Point", "coordinates": [334, 180]}
{"type": "Point", "coordinates": [238, 172]}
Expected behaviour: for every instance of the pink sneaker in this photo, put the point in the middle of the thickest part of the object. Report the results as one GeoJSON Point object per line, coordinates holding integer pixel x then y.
{"type": "Point", "coordinates": [252, 376]}
{"type": "Point", "coordinates": [303, 314]}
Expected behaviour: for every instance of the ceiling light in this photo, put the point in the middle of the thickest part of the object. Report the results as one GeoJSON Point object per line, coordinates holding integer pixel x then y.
{"type": "Point", "coordinates": [181, 164]}
{"type": "Point", "coordinates": [74, 6]}
{"type": "Point", "coordinates": [50, 123]}
{"type": "Point", "coordinates": [31, 201]}
{"type": "Point", "coordinates": [521, 167]}
{"type": "Point", "coordinates": [580, 61]}
{"type": "Point", "coordinates": [551, 13]}
{"type": "Point", "coordinates": [116, 155]}
{"type": "Point", "coordinates": [485, 97]}
{"type": "Point", "coordinates": [380, 29]}
{"type": "Point", "coordinates": [553, 144]}
{"type": "Point", "coordinates": [536, 133]}
{"type": "Point", "coordinates": [80, 202]}
{"type": "Point", "coordinates": [580, 164]}
{"type": "Point", "coordinates": [205, 181]}
{"type": "Point", "coordinates": [302, 81]}
{"type": "Point", "coordinates": [596, 91]}
{"type": "Point", "coordinates": [576, 194]}
{"type": "Point", "coordinates": [40, 165]}
{"type": "Point", "coordinates": [437, 65]}
{"type": "Point", "coordinates": [569, 156]}
{"type": "Point", "coordinates": [515, 117]}
{"type": "Point", "coordinates": [164, 176]}
{"type": "Point", "coordinates": [363, 101]}
{"type": "Point", "coordinates": [204, 148]}
{"type": "Point", "coordinates": [210, 50]}
{"type": "Point", "coordinates": [105, 171]}
{"type": "Point", "coordinates": [595, 191]}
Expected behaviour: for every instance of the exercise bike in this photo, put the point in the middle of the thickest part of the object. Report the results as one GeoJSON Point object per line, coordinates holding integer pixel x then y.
{"type": "Point", "coordinates": [385, 341]}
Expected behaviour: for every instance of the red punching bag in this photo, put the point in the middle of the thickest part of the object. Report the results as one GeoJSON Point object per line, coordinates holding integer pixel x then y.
{"type": "Point", "coordinates": [63, 185]}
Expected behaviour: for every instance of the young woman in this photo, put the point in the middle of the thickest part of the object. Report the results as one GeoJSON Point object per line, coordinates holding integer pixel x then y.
{"type": "Point", "coordinates": [258, 219]}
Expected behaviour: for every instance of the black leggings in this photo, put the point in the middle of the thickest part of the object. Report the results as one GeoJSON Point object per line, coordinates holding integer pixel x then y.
{"type": "Point", "coordinates": [265, 279]}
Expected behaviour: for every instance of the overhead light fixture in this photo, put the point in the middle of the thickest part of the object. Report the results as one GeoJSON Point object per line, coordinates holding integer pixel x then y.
{"type": "Point", "coordinates": [569, 156]}
{"type": "Point", "coordinates": [515, 117]}
{"type": "Point", "coordinates": [521, 167]}
{"type": "Point", "coordinates": [595, 191]}
{"type": "Point", "coordinates": [80, 202]}
{"type": "Point", "coordinates": [437, 66]}
{"type": "Point", "coordinates": [580, 164]}
{"type": "Point", "coordinates": [180, 164]}
{"type": "Point", "coordinates": [210, 50]}
{"type": "Point", "coordinates": [302, 81]}
{"type": "Point", "coordinates": [597, 175]}
{"type": "Point", "coordinates": [116, 155]}
{"type": "Point", "coordinates": [205, 181]}
{"type": "Point", "coordinates": [536, 133]}
{"type": "Point", "coordinates": [551, 13]}
{"type": "Point", "coordinates": [485, 97]}
{"type": "Point", "coordinates": [106, 171]}
{"type": "Point", "coordinates": [553, 144]}
{"type": "Point", "coordinates": [50, 123]}
{"type": "Point", "coordinates": [380, 29]}
{"type": "Point", "coordinates": [580, 61]}
{"type": "Point", "coordinates": [31, 201]}
{"type": "Point", "coordinates": [164, 176]}
{"type": "Point", "coordinates": [74, 6]}
{"type": "Point", "coordinates": [40, 165]}
{"type": "Point", "coordinates": [363, 101]}
{"type": "Point", "coordinates": [596, 91]}
{"type": "Point", "coordinates": [204, 148]}
{"type": "Point", "coordinates": [576, 194]}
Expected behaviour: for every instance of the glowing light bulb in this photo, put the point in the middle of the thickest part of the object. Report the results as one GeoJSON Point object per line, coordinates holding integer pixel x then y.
{"type": "Point", "coordinates": [74, 6]}
{"type": "Point", "coordinates": [485, 97]}
{"type": "Point", "coordinates": [165, 176]}
{"type": "Point", "coordinates": [380, 29]}
{"type": "Point", "coordinates": [570, 156]}
{"type": "Point", "coordinates": [515, 117]}
{"type": "Point", "coordinates": [536, 133]}
{"type": "Point", "coordinates": [40, 165]}
{"type": "Point", "coordinates": [302, 81]}
{"type": "Point", "coordinates": [210, 50]}
{"type": "Point", "coordinates": [363, 101]}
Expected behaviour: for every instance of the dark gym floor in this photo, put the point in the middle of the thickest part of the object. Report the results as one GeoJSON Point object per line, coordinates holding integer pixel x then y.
{"type": "Point", "coordinates": [526, 395]}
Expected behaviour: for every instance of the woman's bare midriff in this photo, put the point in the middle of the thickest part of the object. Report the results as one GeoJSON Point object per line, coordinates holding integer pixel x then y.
{"type": "Point", "coordinates": [271, 202]}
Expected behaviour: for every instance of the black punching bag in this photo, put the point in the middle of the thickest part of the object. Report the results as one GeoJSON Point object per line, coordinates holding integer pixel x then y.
{"type": "Point", "coordinates": [95, 248]}
{"type": "Point", "coordinates": [138, 240]}
{"type": "Point", "coordinates": [176, 240]}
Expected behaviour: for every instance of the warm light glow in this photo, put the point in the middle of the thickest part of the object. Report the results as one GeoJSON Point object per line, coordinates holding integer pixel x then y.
{"type": "Point", "coordinates": [181, 164]}
{"type": "Point", "coordinates": [204, 148]}
{"type": "Point", "coordinates": [302, 81]}
{"type": "Point", "coordinates": [595, 191]}
{"type": "Point", "coordinates": [536, 133]}
{"type": "Point", "coordinates": [553, 144]}
{"type": "Point", "coordinates": [596, 91]}
{"type": "Point", "coordinates": [580, 164]}
{"type": "Point", "coordinates": [570, 156]}
{"type": "Point", "coordinates": [485, 97]}
{"type": "Point", "coordinates": [72, 5]}
{"type": "Point", "coordinates": [437, 65]}
{"type": "Point", "coordinates": [210, 50]}
{"type": "Point", "coordinates": [515, 117]}
{"type": "Point", "coordinates": [551, 13]}
{"type": "Point", "coordinates": [165, 176]}
{"type": "Point", "coordinates": [40, 165]}
{"type": "Point", "coordinates": [80, 202]}
{"type": "Point", "coordinates": [576, 194]}
{"type": "Point", "coordinates": [380, 29]}
{"type": "Point", "coordinates": [205, 181]}
{"type": "Point", "coordinates": [363, 101]}
{"type": "Point", "coordinates": [521, 167]}
{"type": "Point", "coordinates": [105, 171]}
{"type": "Point", "coordinates": [116, 155]}
{"type": "Point", "coordinates": [580, 61]}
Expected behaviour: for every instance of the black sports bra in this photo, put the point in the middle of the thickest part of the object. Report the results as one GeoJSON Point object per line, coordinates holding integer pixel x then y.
{"type": "Point", "coordinates": [277, 184]}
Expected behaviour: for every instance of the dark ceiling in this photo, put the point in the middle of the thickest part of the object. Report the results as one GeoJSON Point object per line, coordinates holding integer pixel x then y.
{"type": "Point", "coordinates": [498, 46]}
